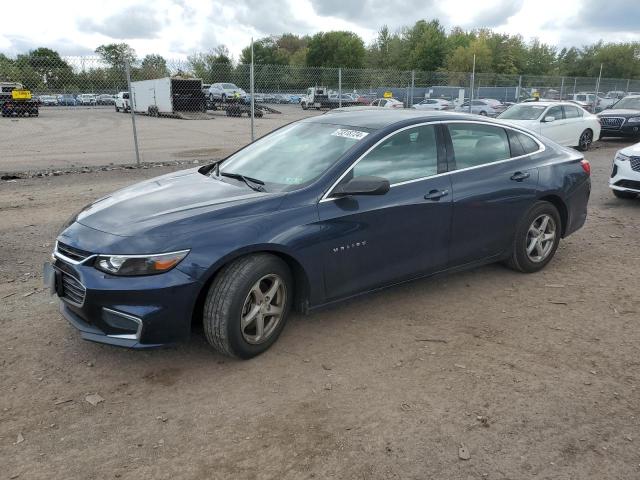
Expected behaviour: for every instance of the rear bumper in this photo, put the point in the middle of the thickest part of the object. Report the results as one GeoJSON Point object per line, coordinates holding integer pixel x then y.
{"type": "Point", "coordinates": [577, 207]}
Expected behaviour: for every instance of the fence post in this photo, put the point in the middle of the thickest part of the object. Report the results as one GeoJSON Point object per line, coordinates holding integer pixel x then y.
{"type": "Point", "coordinates": [340, 87]}
{"type": "Point", "coordinates": [595, 97]}
{"type": "Point", "coordinates": [252, 93]}
{"type": "Point", "coordinates": [627, 90]}
{"type": "Point", "coordinates": [519, 89]}
{"type": "Point", "coordinates": [473, 82]}
{"type": "Point", "coordinates": [561, 87]}
{"type": "Point", "coordinates": [413, 84]}
{"type": "Point", "coordinates": [133, 115]}
{"type": "Point", "coordinates": [575, 81]}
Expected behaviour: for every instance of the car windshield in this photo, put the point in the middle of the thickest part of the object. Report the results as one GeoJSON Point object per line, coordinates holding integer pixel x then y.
{"type": "Point", "coordinates": [294, 155]}
{"type": "Point", "coordinates": [523, 112]}
{"type": "Point", "coordinates": [632, 103]}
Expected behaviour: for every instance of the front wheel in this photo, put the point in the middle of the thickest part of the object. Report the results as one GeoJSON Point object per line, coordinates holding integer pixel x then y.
{"type": "Point", "coordinates": [483, 113]}
{"type": "Point", "coordinates": [247, 305]}
{"type": "Point", "coordinates": [537, 238]}
{"type": "Point", "coordinates": [585, 141]}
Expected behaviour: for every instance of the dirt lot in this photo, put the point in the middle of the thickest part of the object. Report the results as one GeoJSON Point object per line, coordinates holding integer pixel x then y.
{"type": "Point", "coordinates": [66, 137]}
{"type": "Point", "coordinates": [538, 376]}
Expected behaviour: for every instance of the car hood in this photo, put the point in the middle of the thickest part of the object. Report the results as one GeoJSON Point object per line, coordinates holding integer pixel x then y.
{"type": "Point", "coordinates": [612, 112]}
{"type": "Point", "coordinates": [631, 150]}
{"type": "Point", "coordinates": [172, 204]}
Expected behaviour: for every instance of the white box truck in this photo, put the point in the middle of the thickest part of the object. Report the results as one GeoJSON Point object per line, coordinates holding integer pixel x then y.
{"type": "Point", "coordinates": [168, 96]}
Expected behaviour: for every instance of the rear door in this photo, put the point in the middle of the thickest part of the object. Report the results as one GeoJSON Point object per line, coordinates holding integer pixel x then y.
{"type": "Point", "coordinates": [376, 240]}
{"type": "Point", "coordinates": [575, 124]}
{"type": "Point", "coordinates": [492, 189]}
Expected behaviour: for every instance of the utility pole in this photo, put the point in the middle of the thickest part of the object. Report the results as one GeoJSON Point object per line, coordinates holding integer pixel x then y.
{"type": "Point", "coordinates": [251, 89]}
{"type": "Point", "coordinates": [473, 81]}
{"type": "Point", "coordinates": [133, 115]}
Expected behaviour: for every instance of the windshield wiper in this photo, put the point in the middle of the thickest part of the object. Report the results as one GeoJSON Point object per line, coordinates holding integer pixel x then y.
{"type": "Point", "coordinates": [252, 183]}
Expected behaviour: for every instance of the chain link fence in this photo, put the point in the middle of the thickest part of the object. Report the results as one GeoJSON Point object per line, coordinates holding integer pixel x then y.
{"type": "Point", "coordinates": [88, 112]}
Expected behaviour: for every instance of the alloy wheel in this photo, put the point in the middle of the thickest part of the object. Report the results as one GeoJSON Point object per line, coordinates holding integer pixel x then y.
{"type": "Point", "coordinates": [263, 309]}
{"type": "Point", "coordinates": [541, 237]}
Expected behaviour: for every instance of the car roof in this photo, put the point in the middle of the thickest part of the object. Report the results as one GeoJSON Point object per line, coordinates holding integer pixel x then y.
{"type": "Point", "coordinates": [376, 118]}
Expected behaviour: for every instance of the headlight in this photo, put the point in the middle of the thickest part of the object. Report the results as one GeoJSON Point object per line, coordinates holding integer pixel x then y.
{"type": "Point", "coordinates": [633, 120]}
{"type": "Point", "coordinates": [131, 265]}
{"type": "Point", "coordinates": [621, 157]}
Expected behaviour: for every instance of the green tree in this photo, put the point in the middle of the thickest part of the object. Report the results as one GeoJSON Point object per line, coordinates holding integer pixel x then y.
{"type": "Point", "coordinates": [336, 49]}
{"type": "Point", "coordinates": [116, 55]}
{"type": "Point", "coordinates": [46, 64]}
{"type": "Point", "coordinates": [426, 45]}
{"type": "Point", "coordinates": [265, 52]}
{"type": "Point", "coordinates": [214, 66]}
{"type": "Point", "coordinates": [540, 58]}
{"type": "Point", "coordinates": [153, 66]}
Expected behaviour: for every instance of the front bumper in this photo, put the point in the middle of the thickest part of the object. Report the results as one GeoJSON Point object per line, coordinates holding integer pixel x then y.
{"type": "Point", "coordinates": [626, 130]}
{"type": "Point", "coordinates": [133, 312]}
{"type": "Point", "coordinates": [623, 177]}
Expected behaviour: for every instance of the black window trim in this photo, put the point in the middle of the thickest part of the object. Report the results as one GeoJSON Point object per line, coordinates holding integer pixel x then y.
{"type": "Point", "coordinates": [448, 149]}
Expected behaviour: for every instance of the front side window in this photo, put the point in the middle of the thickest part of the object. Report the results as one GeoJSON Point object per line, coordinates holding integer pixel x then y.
{"type": "Point", "coordinates": [555, 112]}
{"type": "Point", "coordinates": [407, 155]}
{"type": "Point", "coordinates": [293, 156]}
{"type": "Point", "coordinates": [476, 144]}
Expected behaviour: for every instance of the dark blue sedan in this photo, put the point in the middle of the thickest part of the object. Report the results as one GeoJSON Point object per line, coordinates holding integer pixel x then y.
{"type": "Point", "coordinates": [320, 210]}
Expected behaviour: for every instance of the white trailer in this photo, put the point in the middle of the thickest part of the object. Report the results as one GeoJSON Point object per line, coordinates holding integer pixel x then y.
{"type": "Point", "coordinates": [168, 96]}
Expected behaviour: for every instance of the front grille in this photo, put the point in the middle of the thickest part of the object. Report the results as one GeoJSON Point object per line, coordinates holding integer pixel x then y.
{"type": "Point", "coordinates": [611, 122]}
{"type": "Point", "coordinates": [72, 290]}
{"type": "Point", "coordinates": [635, 164]}
{"type": "Point", "coordinates": [72, 253]}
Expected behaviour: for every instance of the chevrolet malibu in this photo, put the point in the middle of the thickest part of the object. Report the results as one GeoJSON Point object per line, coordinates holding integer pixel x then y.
{"type": "Point", "coordinates": [321, 210]}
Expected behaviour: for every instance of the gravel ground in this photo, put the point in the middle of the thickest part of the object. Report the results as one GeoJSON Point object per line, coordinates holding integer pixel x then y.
{"type": "Point", "coordinates": [537, 376]}
{"type": "Point", "coordinates": [75, 137]}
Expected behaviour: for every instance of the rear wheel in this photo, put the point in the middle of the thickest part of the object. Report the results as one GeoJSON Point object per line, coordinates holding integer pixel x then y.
{"type": "Point", "coordinates": [247, 305]}
{"type": "Point", "coordinates": [585, 141]}
{"type": "Point", "coordinates": [483, 113]}
{"type": "Point", "coordinates": [625, 195]}
{"type": "Point", "coordinates": [537, 238]}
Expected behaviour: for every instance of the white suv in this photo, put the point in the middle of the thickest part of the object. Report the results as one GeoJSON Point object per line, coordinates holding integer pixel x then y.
{"type": "Point", "coordinates": [625, 176]}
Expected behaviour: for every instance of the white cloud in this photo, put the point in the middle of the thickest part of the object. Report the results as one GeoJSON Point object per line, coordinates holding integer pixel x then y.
{"type": "Point", "coordinates": [175, 28]}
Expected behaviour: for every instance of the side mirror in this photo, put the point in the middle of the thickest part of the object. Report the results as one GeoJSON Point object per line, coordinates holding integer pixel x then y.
{"type": "Point", "coordinates": [364, 185]}
{"type": "Point", "coordinates": [549, 118]}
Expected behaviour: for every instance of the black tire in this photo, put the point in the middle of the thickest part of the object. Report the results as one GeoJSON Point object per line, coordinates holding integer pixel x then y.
{"type": "Point", "coordinates": [519, 259]}
{"type": "Point", "coordinates": [483, 113]}
{"type": "Point", "coordinates": [117, 109]}
{"type": "Point", "coordinates": [585, 140]}
{"type": "Point", "coordinates": [226, 299]}
{"type": "Point", "coordinates": [625, 195]}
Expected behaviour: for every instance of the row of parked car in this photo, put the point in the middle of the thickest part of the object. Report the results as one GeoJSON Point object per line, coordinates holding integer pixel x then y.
{"type": "Point", "coordinates": [70, 100]}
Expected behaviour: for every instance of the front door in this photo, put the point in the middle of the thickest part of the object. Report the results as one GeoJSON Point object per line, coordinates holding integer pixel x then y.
{"type": "Point", "coordinates": [377, 240]}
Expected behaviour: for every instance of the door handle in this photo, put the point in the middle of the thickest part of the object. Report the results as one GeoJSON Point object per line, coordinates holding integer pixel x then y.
{"type": "Point", "coordinates": [520, 176]}
{"type": "Point", "coordinates": [436, 194]}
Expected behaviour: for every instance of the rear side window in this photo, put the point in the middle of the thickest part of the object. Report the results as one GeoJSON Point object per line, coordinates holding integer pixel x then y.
{"type": "Point", "coordinates": [521, 144]}
{"type": "Point", "coordinates": [571, 112]}
{"type": "Point", "coordinates": [475, 144]}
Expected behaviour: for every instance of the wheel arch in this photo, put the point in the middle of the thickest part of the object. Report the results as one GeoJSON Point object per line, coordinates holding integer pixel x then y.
{"type": "Point", "coordinates": [302, 286]}
{"type": "Point", "coordinates": [557, 202]}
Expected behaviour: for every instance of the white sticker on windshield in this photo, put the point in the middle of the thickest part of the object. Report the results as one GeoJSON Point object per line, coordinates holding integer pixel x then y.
{"type": "Point", "coordinates": [346, 133]}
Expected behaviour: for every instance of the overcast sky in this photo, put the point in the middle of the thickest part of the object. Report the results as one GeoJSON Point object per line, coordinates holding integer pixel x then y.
{"type": "Point", "coordinates": [176, 28]}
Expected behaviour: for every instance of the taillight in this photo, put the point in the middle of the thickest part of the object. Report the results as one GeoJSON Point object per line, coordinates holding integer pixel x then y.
{"type": "Point", "coordinates": [586, 166]}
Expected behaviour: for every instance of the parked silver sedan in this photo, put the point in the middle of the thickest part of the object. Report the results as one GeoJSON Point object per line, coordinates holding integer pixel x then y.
{"type": "Point", "coordinates": [486, 107]}
{"type": "Point", "coordinates": [433, 104]}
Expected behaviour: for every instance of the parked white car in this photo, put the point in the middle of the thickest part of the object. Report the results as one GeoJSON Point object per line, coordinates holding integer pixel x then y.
{"type": "Point", "coordinates": [484, 106]}
{"type": "Point", "coordinates": [224, 91]}
{"type": "Point", "coordinates": [122, 102]}
{"type": "Point", "coordinates": [86, 99]}
{"type": "Point", "coordinates": [433, 104]}
{"type": "Point", "coordinates": [563, 122]}
{"type": "Point", "coordinates": [387, 103]}
{"type": "Point", "coordinates": [625, 176]}
{"type": "Point", "coordinates": [48, 99]}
